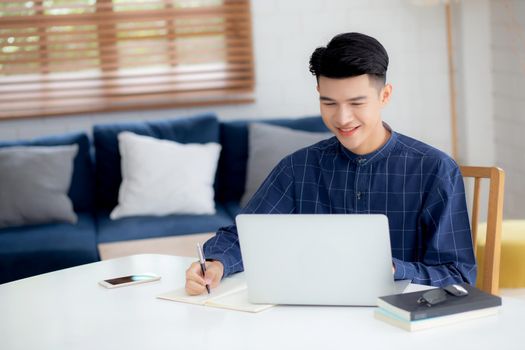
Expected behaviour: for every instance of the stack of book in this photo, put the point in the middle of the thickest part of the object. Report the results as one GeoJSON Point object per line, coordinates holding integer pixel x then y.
{"type": "Point", "coordinates": [404, 310]}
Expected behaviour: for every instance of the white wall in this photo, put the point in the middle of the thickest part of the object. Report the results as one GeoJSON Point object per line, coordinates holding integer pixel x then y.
{"type": "Point", "coordinates": [508, 71]}
{"type": "Point", "coordinates": [286, 33]}
{"type": "Point", "coordinates": [472, 49]}
{"type": "Point", "coordinates": [472, 52]}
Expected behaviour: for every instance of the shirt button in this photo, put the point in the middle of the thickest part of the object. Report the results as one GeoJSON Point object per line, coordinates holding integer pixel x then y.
{"type": "Point", "coordinates": [360, 161]}
{"type": "Point", "coordinates": [358, 195]}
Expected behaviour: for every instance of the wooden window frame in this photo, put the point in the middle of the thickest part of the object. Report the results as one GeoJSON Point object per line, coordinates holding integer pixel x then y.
{"type": "Point", "coordinates": [177, 82]}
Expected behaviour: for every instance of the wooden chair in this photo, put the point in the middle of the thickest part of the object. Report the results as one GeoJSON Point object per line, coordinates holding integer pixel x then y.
{"type": "Point", "coordinates": [492, 251]}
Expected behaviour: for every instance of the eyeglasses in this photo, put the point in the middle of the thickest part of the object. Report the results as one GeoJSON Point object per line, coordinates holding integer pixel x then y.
{"type": "Point", "coordinates": [439, 295]}
{"type": "Point", "coordinates": [433, 297]}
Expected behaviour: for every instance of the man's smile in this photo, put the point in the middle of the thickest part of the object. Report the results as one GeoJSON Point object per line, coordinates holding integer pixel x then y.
{"type": "Point", "coordinates": [348, 131]}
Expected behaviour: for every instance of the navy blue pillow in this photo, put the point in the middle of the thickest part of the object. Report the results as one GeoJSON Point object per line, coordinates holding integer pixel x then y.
{"type": "Point", "coordinates": [198, 129]}
{"type": "Point", "coordinates": [82, 182]}
{"type": "Point", "coordinates": [231, 173]}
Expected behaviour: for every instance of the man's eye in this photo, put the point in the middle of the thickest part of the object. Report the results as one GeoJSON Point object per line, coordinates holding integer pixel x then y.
{"type": "Point", "coordinates": [357, 104]}
{"type": "Point", "coordinates": [329, 104]}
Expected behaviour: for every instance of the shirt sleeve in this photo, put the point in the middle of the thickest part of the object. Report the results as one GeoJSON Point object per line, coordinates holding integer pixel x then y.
{"type": "Point", "coordinates": [447, 254]}
{"type": "Point", "coordinates": [274, 196]}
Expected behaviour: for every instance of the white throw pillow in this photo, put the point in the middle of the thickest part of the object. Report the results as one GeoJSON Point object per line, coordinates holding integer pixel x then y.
{"type": "Point", "coordinates": [161, 177]}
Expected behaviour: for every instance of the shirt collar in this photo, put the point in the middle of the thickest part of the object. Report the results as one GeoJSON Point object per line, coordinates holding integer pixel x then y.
{"type": "Point", "coordinates": [382, 152]}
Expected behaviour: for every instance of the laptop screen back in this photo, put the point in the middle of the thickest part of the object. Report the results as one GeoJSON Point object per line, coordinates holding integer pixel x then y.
{"type": "Point", "coordinates": [342, 259]}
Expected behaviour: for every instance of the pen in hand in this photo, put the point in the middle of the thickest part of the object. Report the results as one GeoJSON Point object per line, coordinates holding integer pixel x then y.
{"type": "Point", "coordinates": [203, 264]}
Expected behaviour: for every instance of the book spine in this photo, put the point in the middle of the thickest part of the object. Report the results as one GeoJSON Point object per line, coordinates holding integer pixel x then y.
{"type": "Point", "coordinates": [393, 309]}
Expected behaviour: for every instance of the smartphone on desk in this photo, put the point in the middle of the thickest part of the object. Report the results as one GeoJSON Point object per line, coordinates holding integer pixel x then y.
{"type": "Point", "coordinates": [129, 280]}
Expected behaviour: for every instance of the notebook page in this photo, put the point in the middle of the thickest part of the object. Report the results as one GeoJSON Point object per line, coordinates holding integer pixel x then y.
{"type": "Point", "coordinates": [227, 286]}
{"type": "Point", "coordinates": [237, 301]}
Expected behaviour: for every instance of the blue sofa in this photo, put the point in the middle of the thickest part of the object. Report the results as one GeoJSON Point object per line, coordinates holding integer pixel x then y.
{"type": "Point", "coordinates": [29, 250]}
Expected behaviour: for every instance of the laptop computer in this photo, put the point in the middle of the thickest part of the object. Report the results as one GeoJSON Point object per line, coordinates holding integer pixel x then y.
{"type": "Point", "coordinates": [317, 259]}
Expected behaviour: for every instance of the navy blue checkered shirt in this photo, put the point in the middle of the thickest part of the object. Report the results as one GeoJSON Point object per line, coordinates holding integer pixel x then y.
{"type": "Point", "coordinates": [419, 188]}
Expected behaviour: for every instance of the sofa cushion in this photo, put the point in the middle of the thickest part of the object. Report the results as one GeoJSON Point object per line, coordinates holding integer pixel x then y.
{"type": "Point", "coordinates": [140, 227]}
{"type": "Point", "coordinates": [27, 198]}
{"type": "Point", "coordinates": [199, 129]}
{"type": "Point", "coordinates": [231, 174]}
{"type": "Point", "coordinates": [82, 182]}
{"type": "Point", "coordinates": [161, 177]}
{"type": "Point", "coordinates": [30, 250]}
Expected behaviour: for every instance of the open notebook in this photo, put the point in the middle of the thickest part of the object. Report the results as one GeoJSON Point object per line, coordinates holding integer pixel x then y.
{"type": "Point", "coordinates": [231, 294]}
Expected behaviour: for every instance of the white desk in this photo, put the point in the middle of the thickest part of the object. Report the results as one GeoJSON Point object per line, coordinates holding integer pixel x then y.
{"type": "Point", "coordinates": [68, 310]}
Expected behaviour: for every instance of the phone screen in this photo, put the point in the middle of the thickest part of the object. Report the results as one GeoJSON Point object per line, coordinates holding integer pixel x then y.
{"type": "Point", "coordinates": [127, 279]}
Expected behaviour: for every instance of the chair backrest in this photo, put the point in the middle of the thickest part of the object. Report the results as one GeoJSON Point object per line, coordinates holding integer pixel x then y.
{"type": "Point", "coordinates": [492, 251]}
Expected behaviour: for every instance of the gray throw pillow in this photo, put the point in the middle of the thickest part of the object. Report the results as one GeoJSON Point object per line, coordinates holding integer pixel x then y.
{"type": "Point", "coordinates": [34, 182]}
{"type": "Point", "coordinates": [267, 145]}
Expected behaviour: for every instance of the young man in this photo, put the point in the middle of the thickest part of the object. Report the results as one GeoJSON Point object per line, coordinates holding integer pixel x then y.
{"type": "Point", "coordinates": [366, 168]}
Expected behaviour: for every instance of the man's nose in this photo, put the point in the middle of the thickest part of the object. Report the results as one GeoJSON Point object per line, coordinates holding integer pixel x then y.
{"type": "Point", "coordinates": [343, 115]}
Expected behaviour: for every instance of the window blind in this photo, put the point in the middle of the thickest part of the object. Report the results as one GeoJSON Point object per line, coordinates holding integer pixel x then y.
{"type": "Point", "coordinates": [73, 56]}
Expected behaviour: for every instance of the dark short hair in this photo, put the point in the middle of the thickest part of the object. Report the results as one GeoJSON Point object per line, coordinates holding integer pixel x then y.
{"type": "Point", "coordinates": [349, 55]}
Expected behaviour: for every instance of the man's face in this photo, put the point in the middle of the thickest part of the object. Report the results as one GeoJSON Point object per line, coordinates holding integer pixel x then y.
{"type": "Point", "coordinates": [351, 109]}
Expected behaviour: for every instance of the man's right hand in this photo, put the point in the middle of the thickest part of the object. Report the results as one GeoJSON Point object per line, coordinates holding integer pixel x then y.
{"type": "Point", "coordinates": [196, 282]}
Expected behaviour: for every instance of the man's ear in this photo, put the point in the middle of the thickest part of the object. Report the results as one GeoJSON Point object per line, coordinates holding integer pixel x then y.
{"type": "Point", "coordinates": [386, 93]}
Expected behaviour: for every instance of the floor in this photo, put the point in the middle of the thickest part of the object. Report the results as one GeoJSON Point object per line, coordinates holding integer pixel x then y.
{"type": "Point", "coordinates": [186, 246]}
